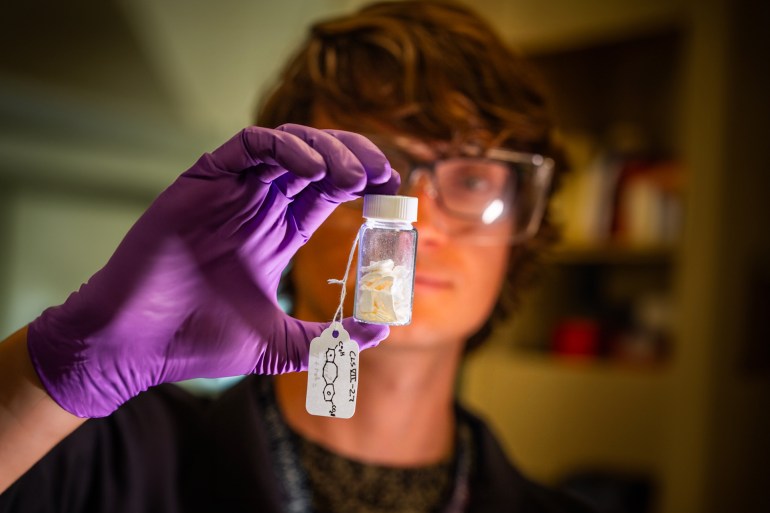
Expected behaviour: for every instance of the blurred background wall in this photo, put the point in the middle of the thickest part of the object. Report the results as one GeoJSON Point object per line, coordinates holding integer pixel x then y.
{"type": "Point", "coordinates": [643, 356]}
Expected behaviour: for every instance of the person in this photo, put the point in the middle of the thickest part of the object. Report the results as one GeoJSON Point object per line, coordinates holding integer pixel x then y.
{"type": "Point", "coordinates": [417, 94]}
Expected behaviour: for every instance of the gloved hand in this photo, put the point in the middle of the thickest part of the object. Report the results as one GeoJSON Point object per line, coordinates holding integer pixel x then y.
{"type": "Point", "coordinates": [191, 290]}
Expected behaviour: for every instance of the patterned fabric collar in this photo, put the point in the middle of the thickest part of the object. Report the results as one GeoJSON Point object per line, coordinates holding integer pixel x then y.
{"type": "Point", "coordinates": [290, 471]}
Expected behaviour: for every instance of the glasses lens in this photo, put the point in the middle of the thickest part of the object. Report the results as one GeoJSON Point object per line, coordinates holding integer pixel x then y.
{"type": "Point", "coordinates": [508, 193]}
{"type": "Point", "coordinates": [474, 188]}
{"type": "Point", "coordinates": [533, 182]}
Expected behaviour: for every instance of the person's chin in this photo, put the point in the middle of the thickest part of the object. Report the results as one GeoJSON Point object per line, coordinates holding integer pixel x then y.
{"type": "Point", "coordinates": [419, 335]}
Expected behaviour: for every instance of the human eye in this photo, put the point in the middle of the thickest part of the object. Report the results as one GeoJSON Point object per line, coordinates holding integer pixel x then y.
{"type": "Point", "coordinates": [475, 182]}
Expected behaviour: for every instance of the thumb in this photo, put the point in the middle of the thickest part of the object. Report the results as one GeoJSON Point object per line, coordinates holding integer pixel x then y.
{"type": "Point", "coordinates": [366, 335]}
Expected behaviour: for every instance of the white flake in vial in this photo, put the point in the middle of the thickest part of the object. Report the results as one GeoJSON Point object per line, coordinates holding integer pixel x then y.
{"type": "Point", "coordinates": [384, 292]}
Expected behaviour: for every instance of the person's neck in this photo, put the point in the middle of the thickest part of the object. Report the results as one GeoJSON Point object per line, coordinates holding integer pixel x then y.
{"type": "Point", "coordinates": [404, 413]}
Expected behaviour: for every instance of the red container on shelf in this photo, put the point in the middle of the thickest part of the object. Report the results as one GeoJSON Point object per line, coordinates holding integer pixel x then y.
{"type": "Point", "coordinates": [577, 336]}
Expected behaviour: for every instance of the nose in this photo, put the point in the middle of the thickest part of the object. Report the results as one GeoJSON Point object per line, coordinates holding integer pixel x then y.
{"type": "Point", "coordinates": [429, 215]}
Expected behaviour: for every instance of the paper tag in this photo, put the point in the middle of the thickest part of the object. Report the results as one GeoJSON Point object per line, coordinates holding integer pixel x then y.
{"type": "Point", "coordinates": [332, 374]}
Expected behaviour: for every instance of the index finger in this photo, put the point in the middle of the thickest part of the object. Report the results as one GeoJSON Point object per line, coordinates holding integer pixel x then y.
{"type": "Point", "coordinates": [375, 163]}
{"type": "Point", "coordinates": [279, 149]}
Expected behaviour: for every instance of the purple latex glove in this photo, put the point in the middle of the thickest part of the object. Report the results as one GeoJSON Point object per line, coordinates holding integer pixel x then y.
{"type": "Point", "coordinates": [191, 290]}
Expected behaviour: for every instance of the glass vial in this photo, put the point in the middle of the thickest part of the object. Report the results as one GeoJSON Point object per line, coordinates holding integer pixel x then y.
{"type": "Point", "coordinates": [387, 247]}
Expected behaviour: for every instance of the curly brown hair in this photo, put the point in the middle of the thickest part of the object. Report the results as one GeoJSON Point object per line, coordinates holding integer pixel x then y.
{"type": "Point", "coordinates": [434, 71]}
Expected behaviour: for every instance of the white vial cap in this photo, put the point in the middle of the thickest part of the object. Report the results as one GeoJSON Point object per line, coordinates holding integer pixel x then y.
{"type": "Point", "coordinates": [382, 206]}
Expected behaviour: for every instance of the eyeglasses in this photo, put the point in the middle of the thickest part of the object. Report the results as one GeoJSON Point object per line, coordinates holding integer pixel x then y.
{"type": "Point", "coordinates": [492, 196]}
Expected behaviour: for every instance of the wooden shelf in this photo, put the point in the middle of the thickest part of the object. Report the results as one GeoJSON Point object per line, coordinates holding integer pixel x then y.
{"type": "Point", "coordinates": [611, 253]}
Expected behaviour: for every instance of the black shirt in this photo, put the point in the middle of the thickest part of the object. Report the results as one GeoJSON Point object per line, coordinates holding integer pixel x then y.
{"type": "Point", "coordinates": [169, 451]}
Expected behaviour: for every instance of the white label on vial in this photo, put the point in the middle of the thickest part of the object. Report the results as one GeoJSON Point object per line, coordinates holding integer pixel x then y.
{"type": "Point", "coordinates": [384, 293]}
{"type": "Point", "coordinates": [332, 374]}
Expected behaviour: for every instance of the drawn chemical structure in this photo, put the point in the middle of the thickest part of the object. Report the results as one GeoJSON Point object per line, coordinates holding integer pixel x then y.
{"type": "Point", "coordinates": [330, 373]}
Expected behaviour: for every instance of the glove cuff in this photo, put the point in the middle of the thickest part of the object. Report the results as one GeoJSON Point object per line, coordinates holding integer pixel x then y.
{"type": "Point", "coordinates": [66, 370]}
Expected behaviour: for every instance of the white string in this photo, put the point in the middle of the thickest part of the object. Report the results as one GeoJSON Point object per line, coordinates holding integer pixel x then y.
{"type": "Point", "coordinates": [343, 281]}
